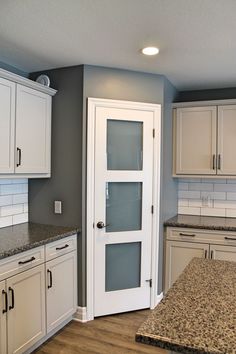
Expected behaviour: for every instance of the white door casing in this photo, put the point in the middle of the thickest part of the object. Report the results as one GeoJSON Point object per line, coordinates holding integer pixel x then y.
{"type": "Point", "coordinates": [99, 301]}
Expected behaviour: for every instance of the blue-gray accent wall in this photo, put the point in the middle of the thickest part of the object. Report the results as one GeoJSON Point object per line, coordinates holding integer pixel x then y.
{"type": "Point", "coordinates": [13, 69]}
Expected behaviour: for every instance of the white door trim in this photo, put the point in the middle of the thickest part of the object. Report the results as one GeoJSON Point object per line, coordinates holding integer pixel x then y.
{"type": "Point", "coordinates": [156, 109]}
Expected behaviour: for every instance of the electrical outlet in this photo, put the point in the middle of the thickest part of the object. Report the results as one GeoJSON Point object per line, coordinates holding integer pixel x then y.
{"type": "Point", "coordinates": [57, 207]}
{"type": "Point", "coordinates": [206, 201]}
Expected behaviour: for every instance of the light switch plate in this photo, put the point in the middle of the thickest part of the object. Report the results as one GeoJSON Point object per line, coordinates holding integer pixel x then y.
{"type": "Point", "coordinates": [57, 207]}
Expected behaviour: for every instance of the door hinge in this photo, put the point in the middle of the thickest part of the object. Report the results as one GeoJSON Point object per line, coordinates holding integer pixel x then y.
{"type": "Point", "coordinates": [153, 133]}
{"type": "Point", "coordinates": [152, 209]}
{"type": "Point", "coordinates": [150, 282]}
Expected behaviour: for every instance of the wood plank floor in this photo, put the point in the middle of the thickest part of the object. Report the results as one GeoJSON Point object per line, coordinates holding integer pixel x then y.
{"type": "Point", "coordinates": [105, 335]}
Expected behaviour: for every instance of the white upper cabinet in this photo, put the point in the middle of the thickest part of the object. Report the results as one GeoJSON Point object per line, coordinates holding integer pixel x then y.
{"type": "Point", "coordinates": [205, 141]}
{"type": "Point", "coordinates": [227, 140]}
{"type": "Point", "coordinates": [7, 125]}
{"type": "Point", "coordinates": [196, 140]}
{"type": "Point", "coordinates": [25, 127]}
{"type": "Point", "coordinates": [33, 131]}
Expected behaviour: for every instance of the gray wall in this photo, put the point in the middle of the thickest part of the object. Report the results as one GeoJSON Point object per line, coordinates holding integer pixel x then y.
{"type": "Point", "coordinates": [66, 181]}
{"type": "Point", "coordinates": [69, 124]}
{"type": "Point", "coordinates": [13, 69]}
{"type": "Point", "coordinates": [204, 95]}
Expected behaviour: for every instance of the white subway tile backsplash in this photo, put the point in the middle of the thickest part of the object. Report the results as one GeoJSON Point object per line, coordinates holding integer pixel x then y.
{"type": "Point", "coordinates": [225, 187]}
{"type": "Point", "coordinates": [230, 213]}
{"type": "Point", "coordinates": [13, 201]}
{"type": "Point", "coordinates": [212, 212]}
{"type": "Point", "coordinates": [183, 186]}
{"type": "Point", "coordinates": [231, 196]}
{"type": "Point", "coordinates": [189, 194]}
{"type": "Point", "coordinates": [201, 186]}
{"type": "Point", "coordinates": [20, 218]}
{"type": "Point", "coordinates": [219, 194]}
{"type": "Point", "coordinates": [183, 202]}
{"type": "Point", "coordinates": [189, 211]}
{"type": "Point", "coordinates": [20, 198]}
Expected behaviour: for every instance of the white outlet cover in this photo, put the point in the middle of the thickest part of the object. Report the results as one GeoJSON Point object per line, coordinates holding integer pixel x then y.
{"type": "Point", "coordinates": [57, 207]}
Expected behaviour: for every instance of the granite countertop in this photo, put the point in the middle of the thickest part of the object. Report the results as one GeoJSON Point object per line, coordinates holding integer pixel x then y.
{"type": "Point", "coordinates": [22, 237]}
{"type": "Point", "coordinates": [198, 313]}
{"type": "Point", "coordinates": [202, 222]}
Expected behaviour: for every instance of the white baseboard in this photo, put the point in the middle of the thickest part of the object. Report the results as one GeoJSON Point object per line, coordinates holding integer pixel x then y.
{"type": "Point", "coordinates": [81, 314]}
{"type": "Point", "coordinates": [159, 298]}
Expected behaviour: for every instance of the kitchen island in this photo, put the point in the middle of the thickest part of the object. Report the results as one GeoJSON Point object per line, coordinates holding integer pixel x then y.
{"type": "Point", "coordinates": [198, 313]}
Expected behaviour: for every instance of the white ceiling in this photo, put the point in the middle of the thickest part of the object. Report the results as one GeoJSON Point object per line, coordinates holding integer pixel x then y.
{"type": "Point", "coordinates": [196, 37]}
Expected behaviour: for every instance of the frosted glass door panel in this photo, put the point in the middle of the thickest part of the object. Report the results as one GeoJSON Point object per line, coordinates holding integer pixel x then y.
{"type": "Point", "coordinates": [123, 206]}
{"type": "Point", "coordinates": [123, 262]}
{"type": "Point", "coordinates": [124, 145]}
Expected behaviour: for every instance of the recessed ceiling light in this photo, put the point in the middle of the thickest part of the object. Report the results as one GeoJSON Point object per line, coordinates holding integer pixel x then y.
{"type": "Point", "coordinates": [150, 50]}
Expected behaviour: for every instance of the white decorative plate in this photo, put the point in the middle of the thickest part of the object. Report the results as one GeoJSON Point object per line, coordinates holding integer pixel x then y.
{"type": "Point", "coordinates": [43, 80]}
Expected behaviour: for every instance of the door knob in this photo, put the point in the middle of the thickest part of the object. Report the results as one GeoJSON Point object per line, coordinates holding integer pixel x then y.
{"type": "Point", "coordinates": [101, 225]}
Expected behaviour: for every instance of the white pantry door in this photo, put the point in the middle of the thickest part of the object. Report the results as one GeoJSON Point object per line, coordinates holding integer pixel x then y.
{"type": "Point", "coordinates": [123, 209]}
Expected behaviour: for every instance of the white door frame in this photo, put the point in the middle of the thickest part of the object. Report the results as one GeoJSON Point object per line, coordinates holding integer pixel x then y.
{"type": "Point", "coordinates": [156, 109]}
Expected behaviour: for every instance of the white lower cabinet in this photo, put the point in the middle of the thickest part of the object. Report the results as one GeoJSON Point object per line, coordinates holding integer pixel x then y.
{"type": "Point", "coordinates": [34, 305]}
{"type": "Point", "coordinates": [178, 256]}
{"type": "Point", "coordinates": [223, 253]}
{"type": "Point", "coordinates": [26, 309]}
{"type": "Point", "coordinates": [184, 244]}
{"type": "Point", "coordinates": [3, 318]}
{"type": "Point", "coordinates": [61, 289]}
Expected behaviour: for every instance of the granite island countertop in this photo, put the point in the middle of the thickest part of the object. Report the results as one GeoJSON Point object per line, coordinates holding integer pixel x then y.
{"type": "Point", "coordinates": [202, 222]}
{"type": "Point", "coordinates": [198, 313]}
{"type": "Point", "coordinates": [22, 237]}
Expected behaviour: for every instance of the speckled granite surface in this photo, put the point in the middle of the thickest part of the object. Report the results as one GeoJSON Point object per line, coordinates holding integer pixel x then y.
{"type": "Point", "coordinates": [202, 222]}
{"type": "Point", "coordinates": [198, 313]}
{"type": "Point", "coordinates": [19, 238]}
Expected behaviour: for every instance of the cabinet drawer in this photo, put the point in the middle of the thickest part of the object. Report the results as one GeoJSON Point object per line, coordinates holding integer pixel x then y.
{"type": "Point", "coordinates": [61, 247]}
{"type": "Point", "coordinates": [23, 261]}
{"type": "Point", "coordinates": [202, 235]}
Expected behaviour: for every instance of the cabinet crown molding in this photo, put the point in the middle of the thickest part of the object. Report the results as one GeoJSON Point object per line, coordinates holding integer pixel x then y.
{"type": "Point", "coordinates": [204, 103]}
{"type": "Point", "coordinates": [26, 82]}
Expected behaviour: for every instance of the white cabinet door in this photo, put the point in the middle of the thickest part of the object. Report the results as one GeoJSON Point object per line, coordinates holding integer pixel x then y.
{"type": "Point", "coordinates": [61, 287]}
{"type": "Point", "coordinates": [3, 314]}
{"type": "Point", "coordinates": [223, 253]}
{"type": "Point", "coordinates": [26, 309]}
{"type": "Point", "coordinates": [196, 141]}
{"type": "Point", "coordinates": [178, 256]}
{"type": "Point", "coordinates": [7, 126]}
{"type": "Point", "coordinates": [33, 131]}
{"type": "Point", "coordinates": [226, 140]}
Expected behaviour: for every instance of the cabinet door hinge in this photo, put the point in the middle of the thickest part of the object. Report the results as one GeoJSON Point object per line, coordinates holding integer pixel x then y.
{"type": "Point", "coordinates": [153, 133]}
{"type": "Point", "coordinates": [152, 209]}
{"type": "Point", "coordinates": [150, 282]}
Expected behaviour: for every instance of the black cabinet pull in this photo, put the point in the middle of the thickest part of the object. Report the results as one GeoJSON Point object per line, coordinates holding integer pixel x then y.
{"type": "Point", "coordinates": [19, 157]}
{"type": "Point", "coordinates": [212, 253]}
{"type": "Point", "coordinates": [61, 248]}
{"type": "Point", "coordinates": [6, 302]}
{"type": "Point", "coordinates": [214, 162]}
{"type": "Point", "coordinates": [27, 261]}
{"type": "Point", "coordinates": [12, 298]}
{"type": "Point", "coordinates": [230, 238]}
{"type": "Point", "coordinates": [219, 162]}
{"type": "Point", "coordinates": [189, 235]}
{"type": "Point", "coordinates": [50, 278]}
{"type": "Point", "coordinates": [205, 253]}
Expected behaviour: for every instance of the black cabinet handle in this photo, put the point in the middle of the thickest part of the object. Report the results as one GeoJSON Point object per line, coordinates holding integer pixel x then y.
{"type": "Point", "coordinates": [230, 238]}
{"type": "Point", "coordinates": [50, 278]}
{"type": "Point", "coordinates": [6, 302]}
{"type": "Point", "coordinates": [61, 248]}
{"type": "Point", "coordinates": [189, 235]}
{"type": "Point", "coordinates": [27, 261]}
{"type": "Point", "coordinates": [214, 162]}
{"type": "Point", "coordinates": [12, 298]}
{"type": "Point", "coordinates": [206, 253]}
{"type": "Point", "coordinates": [219, 162]}
{"type": "Point", "coordinates": [19, 157]}
{"type": "Point", "coordinates": [212, 253]}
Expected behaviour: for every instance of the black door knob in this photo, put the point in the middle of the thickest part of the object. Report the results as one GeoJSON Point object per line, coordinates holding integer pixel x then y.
{"type": "Point", "coordinates": [101, 225]}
